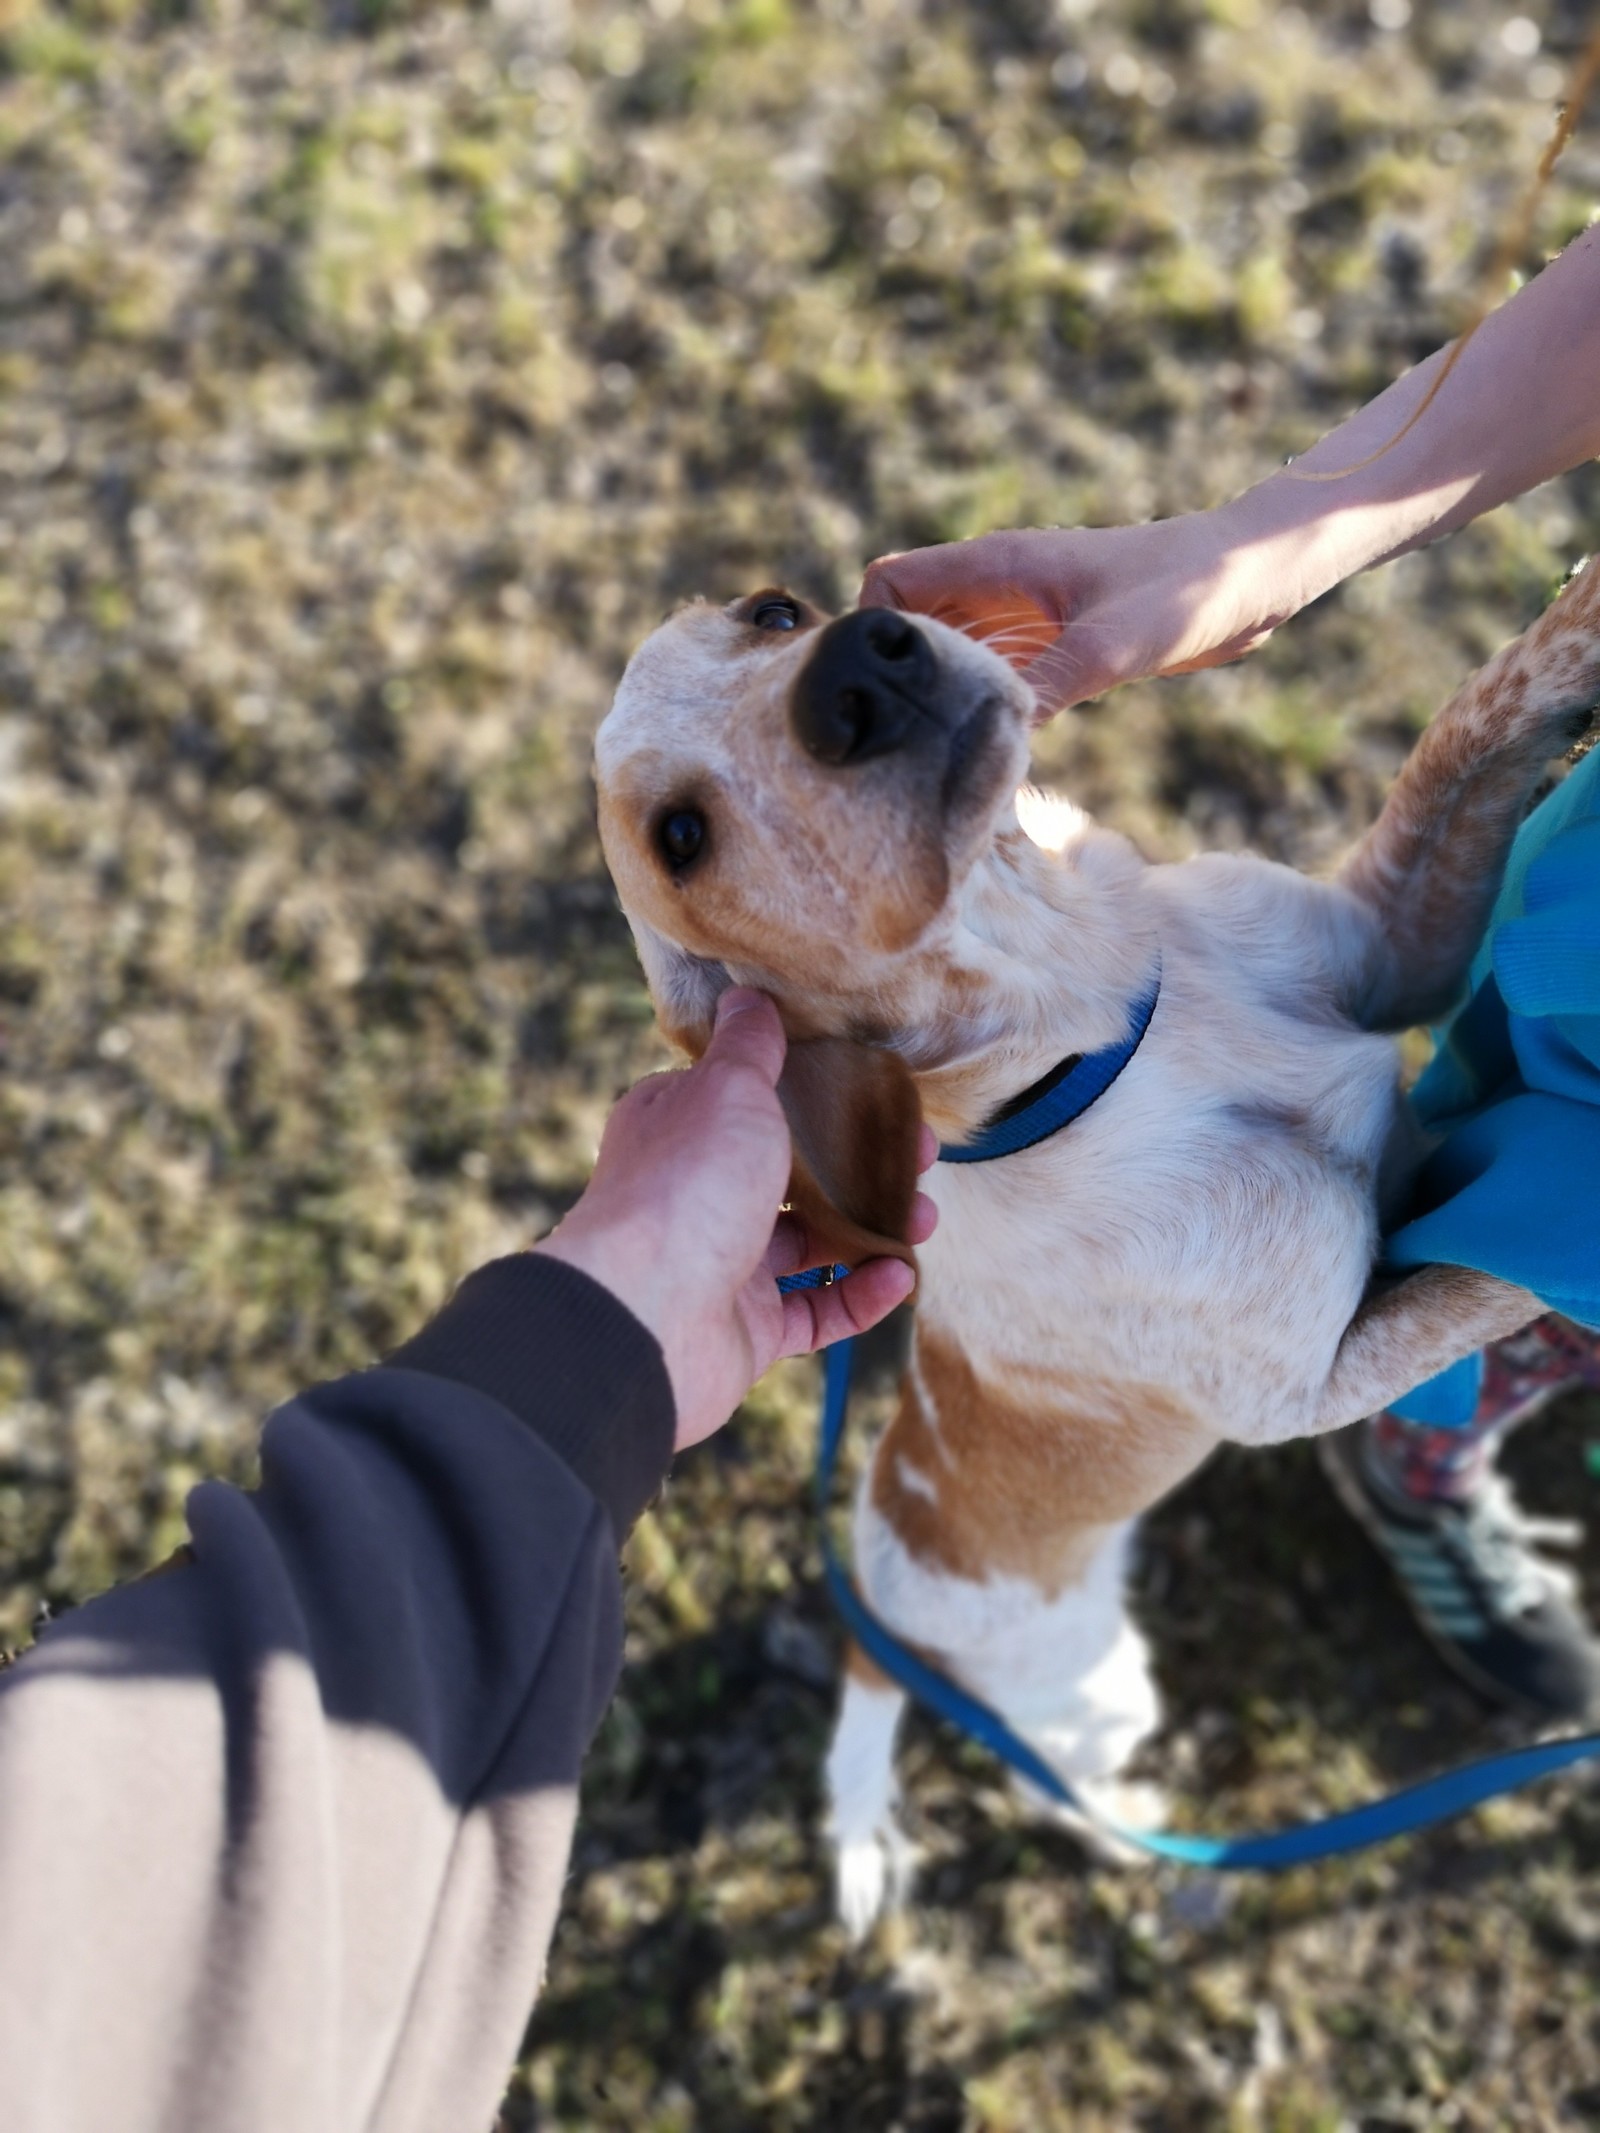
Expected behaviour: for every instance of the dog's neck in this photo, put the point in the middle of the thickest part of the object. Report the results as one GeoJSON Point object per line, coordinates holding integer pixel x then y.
{"type": "Point", "coordinates": [1045, 951]}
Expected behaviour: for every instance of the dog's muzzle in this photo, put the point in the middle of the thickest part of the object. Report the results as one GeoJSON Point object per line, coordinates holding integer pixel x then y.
{"type": "Point", "coordinates": [872, 677]}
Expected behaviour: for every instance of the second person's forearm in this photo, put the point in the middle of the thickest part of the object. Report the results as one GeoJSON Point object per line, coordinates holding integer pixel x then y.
{"type": "Point", "coordinates": [1521, 405]}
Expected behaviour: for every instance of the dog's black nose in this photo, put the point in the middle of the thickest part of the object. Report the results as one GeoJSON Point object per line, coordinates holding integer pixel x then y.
{"type": "Point", "coordinates": [859, 693]}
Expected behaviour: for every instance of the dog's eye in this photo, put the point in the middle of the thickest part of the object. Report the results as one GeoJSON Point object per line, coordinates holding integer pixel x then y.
{"type": "Point", "coordinates": [778, 613]}
{"type": "Point", "coordinates": [682, 836]}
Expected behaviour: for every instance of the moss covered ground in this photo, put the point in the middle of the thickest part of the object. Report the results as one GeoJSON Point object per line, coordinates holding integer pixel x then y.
{"type": "Point", "coordinates": [372, 376]}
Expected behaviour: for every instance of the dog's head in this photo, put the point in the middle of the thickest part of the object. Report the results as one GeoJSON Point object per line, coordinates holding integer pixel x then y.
{"type": "Point", "coordinates": [795, 803]}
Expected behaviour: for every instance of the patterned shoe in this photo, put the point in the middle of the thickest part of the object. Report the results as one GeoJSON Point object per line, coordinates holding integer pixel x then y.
{"type": "Point", "coordinates": [1498, 1613]}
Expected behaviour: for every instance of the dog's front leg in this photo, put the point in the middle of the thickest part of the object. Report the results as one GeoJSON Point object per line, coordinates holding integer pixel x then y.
{"type": "Point", "coordinates": [1407, 1332]}
{"type": "Point", "coordinates": [873, 1858]}
{"type": "Point", "coordinates": [1430, 868]}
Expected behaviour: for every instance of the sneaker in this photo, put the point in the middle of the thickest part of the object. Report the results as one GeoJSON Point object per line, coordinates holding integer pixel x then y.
{"type": "Point", "coordinates": [1497, 1612]}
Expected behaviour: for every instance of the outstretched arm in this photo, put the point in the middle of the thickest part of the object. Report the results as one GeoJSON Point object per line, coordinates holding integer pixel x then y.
{"type": "Point", "coordinates": [286, 1825]}
{"type": "Point", "coordinates": [1083, 609]}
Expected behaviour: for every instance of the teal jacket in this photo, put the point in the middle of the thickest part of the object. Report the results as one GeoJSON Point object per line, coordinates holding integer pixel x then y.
{"type": "Point", "coordinates": [1514, 1187]}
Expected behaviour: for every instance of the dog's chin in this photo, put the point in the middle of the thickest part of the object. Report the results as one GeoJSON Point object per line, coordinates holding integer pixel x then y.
{"type": "Point", "coordinates": [986, 759]}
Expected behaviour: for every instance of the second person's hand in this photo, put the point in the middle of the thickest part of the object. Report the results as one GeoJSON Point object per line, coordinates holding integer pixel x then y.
{"type": "Point", "coordinates": [1080, 609]}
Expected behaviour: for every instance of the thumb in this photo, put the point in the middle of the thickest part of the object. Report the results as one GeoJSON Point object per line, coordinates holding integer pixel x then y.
{"type": "Point", "coordinates": [747, 1032]}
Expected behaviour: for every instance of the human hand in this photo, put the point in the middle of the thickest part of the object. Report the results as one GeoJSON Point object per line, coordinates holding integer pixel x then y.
{"type": "Point", "coordinates": [1081, 609]}
{"type": "Point", "coordinates": [681, 1222]}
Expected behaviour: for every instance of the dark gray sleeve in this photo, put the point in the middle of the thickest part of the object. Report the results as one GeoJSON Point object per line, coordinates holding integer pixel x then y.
{"type": "Point", "coordinates": [283, 1828]}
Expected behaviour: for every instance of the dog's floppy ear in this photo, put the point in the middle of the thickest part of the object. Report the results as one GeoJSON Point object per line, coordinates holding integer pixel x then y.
{"type": "Point", "coordinates": [854, 1118]}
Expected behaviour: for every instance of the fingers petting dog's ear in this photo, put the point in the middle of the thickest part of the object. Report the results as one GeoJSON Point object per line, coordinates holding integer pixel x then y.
{"type": "Point", "coordinates": [856, 1125]}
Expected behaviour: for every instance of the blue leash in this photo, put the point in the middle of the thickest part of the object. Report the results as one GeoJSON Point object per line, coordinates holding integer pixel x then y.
{"type": "Point", "coordinates": [1415, 1807]}
{"type": "Point", "coordinates": [1063, 1095]}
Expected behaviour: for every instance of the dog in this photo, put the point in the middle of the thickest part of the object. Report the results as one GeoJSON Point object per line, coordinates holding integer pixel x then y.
{"type": "Point", "coordinates": [829, 809]}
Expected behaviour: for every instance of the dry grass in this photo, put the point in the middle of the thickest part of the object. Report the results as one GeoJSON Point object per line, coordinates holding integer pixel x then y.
{"type": "Point", "coordinates": [371, 376]}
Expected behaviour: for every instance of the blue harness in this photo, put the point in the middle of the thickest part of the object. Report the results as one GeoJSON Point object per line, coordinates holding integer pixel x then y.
{"type": "Point", "coordinates": [1063, 1095]}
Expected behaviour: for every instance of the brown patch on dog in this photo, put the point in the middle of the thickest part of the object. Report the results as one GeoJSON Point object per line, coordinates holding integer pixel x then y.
{"type": "Point", "coordinates": [1024, 1478]}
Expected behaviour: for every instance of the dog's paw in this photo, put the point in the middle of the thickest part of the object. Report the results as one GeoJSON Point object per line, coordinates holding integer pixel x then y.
{"type": "Point", "coordinates": [860, 1882]}
{"type": "Point", "coordinates": [1135, 1803]}
{"type": "Point", "coordinates": [872, 1875]}
{"type": "Point", "coordinates": [1110, 1805]}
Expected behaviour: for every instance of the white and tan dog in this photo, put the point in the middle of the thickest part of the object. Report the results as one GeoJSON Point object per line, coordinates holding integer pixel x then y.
{"type": "Point", "coordinates": [828, 809]}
